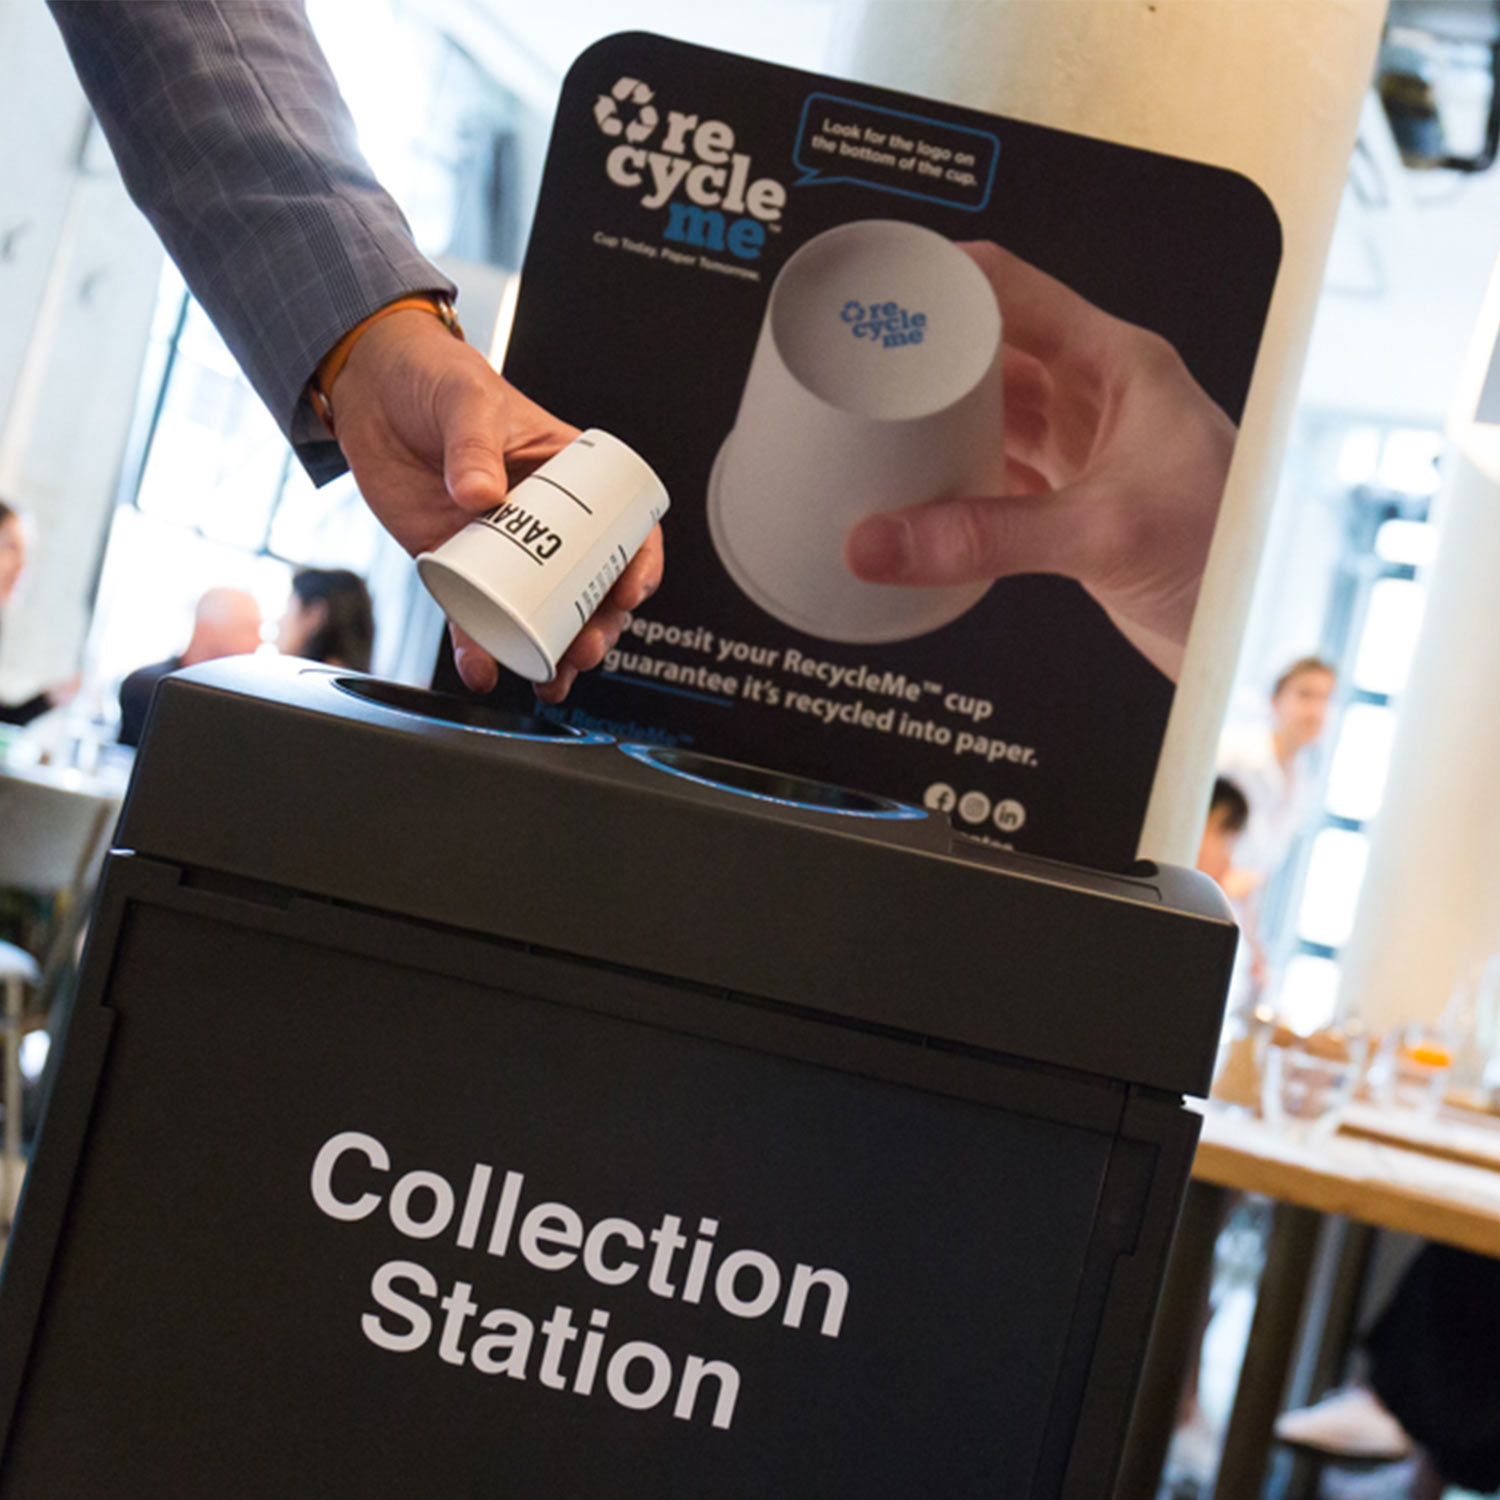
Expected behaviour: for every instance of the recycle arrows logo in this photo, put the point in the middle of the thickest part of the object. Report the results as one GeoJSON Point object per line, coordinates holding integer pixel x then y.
{"type": "Point", "coordinates": [627, 91]}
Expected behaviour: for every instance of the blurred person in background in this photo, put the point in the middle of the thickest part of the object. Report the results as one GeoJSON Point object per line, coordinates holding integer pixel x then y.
{"type": "Point", "coordinates": [12, 564]}
{"type": "Point", "coordinates": [1218, 858]}
{"type": "Point", "coordinates": [226, 622]}
{"type": "Point", "coordinates": [1271, 765]}
{"type": "Point", "coordinates": [12, 552]}
{"type": "Point", "coordinates": [1228, 813]}
{"type": "Point", "coordinates": [329, 619]}
{"type": "Point", "coordinates": [1433, 1396]}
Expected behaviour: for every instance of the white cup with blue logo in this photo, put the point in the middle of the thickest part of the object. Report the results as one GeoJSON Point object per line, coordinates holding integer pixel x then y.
{"type": "Point", "coordinates": [524, 578]}
{"type": "Point", "coordinates": [875, 384]}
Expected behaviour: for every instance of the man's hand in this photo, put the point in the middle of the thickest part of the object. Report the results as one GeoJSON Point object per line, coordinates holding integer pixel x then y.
{"type": "Point", "coordinates": [1115, 460]}
{"type": "Point", "coordinates": [434, 437]}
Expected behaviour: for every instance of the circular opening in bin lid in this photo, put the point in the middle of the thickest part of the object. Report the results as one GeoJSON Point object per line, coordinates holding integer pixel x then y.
{"type": "Point", "coordinates": [769, 786]}
{"type": "Point", "coordinates": [467, 713]}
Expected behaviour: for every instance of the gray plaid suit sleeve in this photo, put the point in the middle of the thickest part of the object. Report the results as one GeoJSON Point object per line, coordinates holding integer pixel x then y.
{"type": "Point", "coordinates": [232, 137]}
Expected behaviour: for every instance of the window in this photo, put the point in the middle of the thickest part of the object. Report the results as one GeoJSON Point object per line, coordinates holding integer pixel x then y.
{"type": "Point", "coordinates": [1342, 579]}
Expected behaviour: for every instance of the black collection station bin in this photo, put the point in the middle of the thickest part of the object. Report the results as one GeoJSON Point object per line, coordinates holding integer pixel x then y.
{"type": "Point", "coordinates": [461, 1106]}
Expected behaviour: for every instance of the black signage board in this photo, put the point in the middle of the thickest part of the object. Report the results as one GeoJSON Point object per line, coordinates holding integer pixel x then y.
{"type": "Point", "coordinates": [682, 191]}
{"type": "Point", "coordinates": [331, 1204]}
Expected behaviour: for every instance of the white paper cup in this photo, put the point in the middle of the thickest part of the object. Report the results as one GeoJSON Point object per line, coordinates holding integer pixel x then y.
{"type": "Point", "coordinates": [524, 578]}
{"type": "Point", "coordinates": [875, 384]}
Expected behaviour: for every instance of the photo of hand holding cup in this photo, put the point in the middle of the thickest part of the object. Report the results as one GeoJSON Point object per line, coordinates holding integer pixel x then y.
{"type": "Point", "coordinates": [1115, 460]}
{"type": "Point", "coordinates": [875, 384]}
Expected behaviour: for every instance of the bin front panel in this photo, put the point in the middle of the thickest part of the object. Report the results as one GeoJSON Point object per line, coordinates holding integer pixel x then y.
{"type": "Point", "coordinates": [886, 1277]}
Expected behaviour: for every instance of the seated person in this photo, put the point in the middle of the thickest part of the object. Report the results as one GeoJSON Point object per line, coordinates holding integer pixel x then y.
{"type": "Point", "coordinates": [329, 619]}
{"type": "Point", "coordinates": [12, 561]}
{"type": "Point", "coordinates": [1228, 812]}
{"type": "Point", "coordinates": [1434, 1381]}
{"type": "Point", "coordinates": [226, 622]}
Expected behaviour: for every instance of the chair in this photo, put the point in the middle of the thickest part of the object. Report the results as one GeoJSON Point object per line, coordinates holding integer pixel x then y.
{"type": "Point", "coordinates": [17, 969]}
{"type": "Point", "coordinates": [54, 831]}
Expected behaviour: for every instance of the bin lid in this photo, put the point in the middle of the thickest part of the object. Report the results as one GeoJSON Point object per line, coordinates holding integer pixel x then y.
{"type": "Point", "coordinates": [342, 788]}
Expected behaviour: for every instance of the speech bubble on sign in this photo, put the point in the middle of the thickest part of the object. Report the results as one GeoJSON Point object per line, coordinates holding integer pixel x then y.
{"type": "Point", "coordinates": [844, 140]}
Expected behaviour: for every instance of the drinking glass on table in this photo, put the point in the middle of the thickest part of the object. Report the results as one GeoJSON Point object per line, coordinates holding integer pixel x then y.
{"type": "Point", "coordinates": [1411, 1068]}
{"type": "Point", "coordinates": [1470, 1021]}
{"type": "Point", "coordinates": [1308, 1080]}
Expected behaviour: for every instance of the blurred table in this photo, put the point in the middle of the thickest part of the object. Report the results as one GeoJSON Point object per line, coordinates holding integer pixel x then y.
{"type": "Point", "coordinates": [1438, 1178]}
{"type": "Point", "coordinates": [1442, 1181]}
{"type": "Point", "coordinates": [1469, 1136]}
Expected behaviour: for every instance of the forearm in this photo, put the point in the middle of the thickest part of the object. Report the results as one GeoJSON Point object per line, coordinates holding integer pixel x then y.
{"type": "Point", "coordinates": [233, 139]}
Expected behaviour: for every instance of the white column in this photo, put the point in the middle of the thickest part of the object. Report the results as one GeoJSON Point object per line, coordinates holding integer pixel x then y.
{"type": "Point", "coordinates": [1269, 88]}
{"type": "Point", "coordinates": [1429, 912]}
